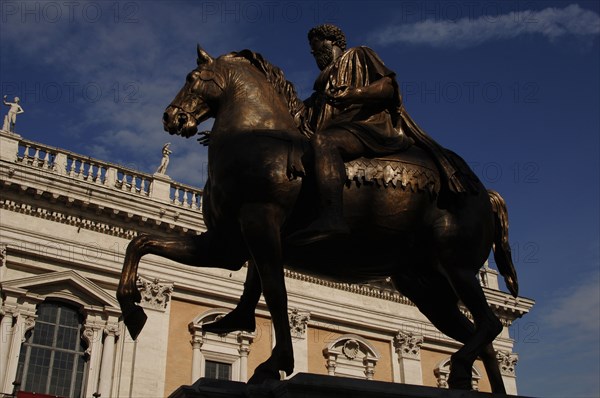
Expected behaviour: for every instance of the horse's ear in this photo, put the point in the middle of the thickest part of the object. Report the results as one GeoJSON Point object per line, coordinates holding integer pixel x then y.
{"type": "Point", "coordinates": [203, 56]}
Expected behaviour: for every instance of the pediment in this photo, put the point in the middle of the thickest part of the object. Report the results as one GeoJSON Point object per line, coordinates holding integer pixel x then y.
{"type": "Point", "coordinates": [65, 284]}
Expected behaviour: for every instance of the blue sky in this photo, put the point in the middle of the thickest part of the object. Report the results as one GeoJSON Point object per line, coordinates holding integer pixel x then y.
{"type": "Point", "coordinates": [512, 86]}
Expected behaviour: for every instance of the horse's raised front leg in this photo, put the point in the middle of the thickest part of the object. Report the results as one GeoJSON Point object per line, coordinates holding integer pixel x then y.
{"type": "Point", "coordinates": [261, 229]}
{"type": "Point", "coordinates": [198, 250]}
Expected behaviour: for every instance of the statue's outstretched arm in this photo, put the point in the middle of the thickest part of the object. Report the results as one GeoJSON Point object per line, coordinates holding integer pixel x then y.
{"type": "Point", "coordinates": [381, 90]}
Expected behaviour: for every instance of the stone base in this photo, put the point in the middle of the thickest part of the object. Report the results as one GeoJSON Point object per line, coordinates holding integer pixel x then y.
{"type": "Point", "coordinates": [305, 385]}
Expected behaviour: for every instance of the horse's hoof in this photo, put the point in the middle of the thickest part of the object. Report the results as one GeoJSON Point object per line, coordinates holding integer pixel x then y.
{"type": "Point", "coordinates": [461, 383]}
{"type": "Point", "coordinates": [135, 320]}
{"type": "Point", "coordinates": [262, 374]}
{"type": "Point", "coordinates": [231, 323]}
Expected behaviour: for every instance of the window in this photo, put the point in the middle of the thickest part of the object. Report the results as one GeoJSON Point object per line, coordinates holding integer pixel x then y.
{"type": "Point", "coordinates": [217, 370]}
{"type": "Point", "coordinates": [218, 357]}
{"type": "Point", "coordinates": [52, 359]}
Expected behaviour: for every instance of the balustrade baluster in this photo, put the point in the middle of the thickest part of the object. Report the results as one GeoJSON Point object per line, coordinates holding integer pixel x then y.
{"type": "Point", "coordinates": [46, 161]}
{"type": "Point", "coordinates": [80, 170]}
{"type": "Point", "coordinates": [91, 174]}
{"type": "Point", "coordinates": [176, 196]}
{"type": "Point", "coordinates": [26, 153]}
{"type": "Point", "coordinates": [36, 157]}
{"type": "Point", "coordinates": [72, 168]}
{"type": "Point", "coordinates": [125, 186]}
{"type": "Point", "coordinates": [143, 190]}
{"type": "Point", "coordinates": [186, 193]}
{"type": "Point", "coordinates": [194, 205]}
{"type": "Point", "coordinates": [137, 184]}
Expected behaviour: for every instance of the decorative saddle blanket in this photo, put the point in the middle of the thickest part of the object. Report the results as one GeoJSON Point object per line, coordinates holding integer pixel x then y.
{"type": "Point", "coordinates": [396, 170]}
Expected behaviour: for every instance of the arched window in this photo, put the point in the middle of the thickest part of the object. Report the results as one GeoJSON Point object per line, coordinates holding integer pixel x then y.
{"type": "Point", "coordinates": [442, 371]}
{"type": "Point", "coordinates": [351, 356]}
{"type": "Point", "coordinates": [52, 359]}
{"type": "Point", "coordinates": [218, 357]}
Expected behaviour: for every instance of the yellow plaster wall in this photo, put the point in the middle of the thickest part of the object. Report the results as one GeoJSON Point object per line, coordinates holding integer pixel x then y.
{"type": "Point", "coordinates": [179, 351]}
{"type": "Point", "coordinates": [260, 350]}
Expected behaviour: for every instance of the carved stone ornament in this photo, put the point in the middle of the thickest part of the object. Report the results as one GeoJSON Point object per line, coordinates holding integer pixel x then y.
{"type": "Point", "coordinates": [111, 329]}
{"type": "Point", "coordinates": [507, 362]}
{"type": "Point", "coordinates": [351, 349]}
{"type": "Point", "coordinates": [88, 337]}
{"type": "Point", "coordinates": [298, 322]}
{"type": "Point", "coordinates": [408, 345]}
{"type": "Point", "coordinates": [28, 324]}
{"type": "Point", "coordinates": [155, 295]}
{"type": "Point", "coordinates": [2, 255]}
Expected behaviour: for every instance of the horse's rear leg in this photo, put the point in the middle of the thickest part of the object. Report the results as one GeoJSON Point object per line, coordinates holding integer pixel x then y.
{"type": "Point", "coordinates": [487, 327]}
{"type": "Point", "coordinates": [198, 250]}
{"type": "Point", "coordinates": [438, 302]}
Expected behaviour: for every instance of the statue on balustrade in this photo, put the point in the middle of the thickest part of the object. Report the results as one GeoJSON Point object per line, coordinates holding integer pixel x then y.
{"type": "Point", "coordinates": [10, 120]}
{"type": "Point", "coordinates": [343, 186]}
{"type": "Point", "coordinates": [164, 162]}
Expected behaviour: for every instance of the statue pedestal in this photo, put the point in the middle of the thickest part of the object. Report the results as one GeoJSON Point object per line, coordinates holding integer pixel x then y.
{"type": "Point", "coordinates": [161, 187]}
{"type": "Point", "coordinates": [9, 145]}
{"type": "Point", "coordinates": [305, 385]}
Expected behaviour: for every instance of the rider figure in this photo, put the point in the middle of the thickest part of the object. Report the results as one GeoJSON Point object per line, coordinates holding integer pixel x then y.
{"type": "Point", "coordinates": [356, 110]}
{"type": "Point", "coordinates": [353, 113]}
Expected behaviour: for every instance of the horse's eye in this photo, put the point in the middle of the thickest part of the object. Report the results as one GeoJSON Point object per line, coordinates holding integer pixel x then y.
{"type": "Point", "coordinates": [192, 76]}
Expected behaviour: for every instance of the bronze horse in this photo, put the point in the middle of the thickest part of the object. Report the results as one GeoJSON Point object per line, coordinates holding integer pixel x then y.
{"type": "Point", "coordinates": [256, 196]}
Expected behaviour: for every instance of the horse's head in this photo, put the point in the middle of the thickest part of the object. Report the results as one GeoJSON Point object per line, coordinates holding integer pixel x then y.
{"type": "Point", "coordinates": [193, 104]}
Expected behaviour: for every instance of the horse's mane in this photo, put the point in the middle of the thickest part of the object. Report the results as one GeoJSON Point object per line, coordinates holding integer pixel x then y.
{"type": "Point", "coordinates": [276, 77]}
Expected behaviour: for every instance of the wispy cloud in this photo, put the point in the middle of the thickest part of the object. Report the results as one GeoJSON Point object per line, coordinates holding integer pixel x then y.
{"type": "Point", "coordinates": [551, 23]}
{"type": "Point", "coordinates": [138, 69]}
{"type": "Point", "coordinates": [576, 310]}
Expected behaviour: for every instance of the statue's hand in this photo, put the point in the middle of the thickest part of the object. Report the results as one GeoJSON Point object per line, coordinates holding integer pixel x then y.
{"type": "Point", "coordinates": [344, 96]}
{"type": "Point", "coordinates": [205, 137]}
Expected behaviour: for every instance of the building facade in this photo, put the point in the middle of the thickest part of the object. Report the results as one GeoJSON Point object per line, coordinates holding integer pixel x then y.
{"type": "Point", "coordinates": [65, 221]}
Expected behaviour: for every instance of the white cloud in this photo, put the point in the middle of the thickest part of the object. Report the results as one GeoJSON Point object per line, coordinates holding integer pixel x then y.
{"type": "Point", "coordinates": [576, 310]}
{"type": "Point", "coordinates": [551, 23]}
{"type": "Point", "coordinates": [138, 60]}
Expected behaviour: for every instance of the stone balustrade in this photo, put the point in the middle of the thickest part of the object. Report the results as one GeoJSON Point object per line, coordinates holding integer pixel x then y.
{"type": "Point", "coordinates": [186, 196]}
{"type": "Point", "coordinates": [98, 172]}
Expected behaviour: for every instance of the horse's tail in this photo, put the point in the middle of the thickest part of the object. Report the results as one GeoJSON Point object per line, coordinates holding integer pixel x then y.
{"type": "Point", "coordinates": [502, 252]}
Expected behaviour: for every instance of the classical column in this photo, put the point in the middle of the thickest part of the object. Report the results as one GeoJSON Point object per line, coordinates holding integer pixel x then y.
{"type": "Point", "coordinates": [369, 364]}
{"type": "Point", "coordinates": [6, 332]}
{"type": "Point", "coordinates": [92, 335]}
{"type": "Point", "coordinates": [196, 357]}
{"type": "Point", "coordinates": [244, 339]}
{"type": "Point", "coordinates": [408, 348]}
{"type": "Point", "coordinates": [25, 321]}
{"type": "Point", "coordinates": [331, 363]}
{"type": "Point", "coordinates": [108, 356]}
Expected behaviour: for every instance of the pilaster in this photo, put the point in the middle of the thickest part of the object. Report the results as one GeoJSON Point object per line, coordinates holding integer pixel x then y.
{"type": "Point", "coordinates": [408, 349]}
{"type": "Point", "coordinates": [508, 362]}
{"type": "Point", "coordinates": [298, 323]}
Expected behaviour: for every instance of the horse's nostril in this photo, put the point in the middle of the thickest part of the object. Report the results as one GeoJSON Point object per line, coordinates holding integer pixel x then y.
{"type": "Point", "coordinates": [165, 117]}
{"type": "Point", "coordinates": [182, 119]}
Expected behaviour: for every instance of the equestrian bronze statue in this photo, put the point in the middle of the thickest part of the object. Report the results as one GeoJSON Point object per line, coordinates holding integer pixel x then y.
{"type": "Point", "coordinates": [402, 218]}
